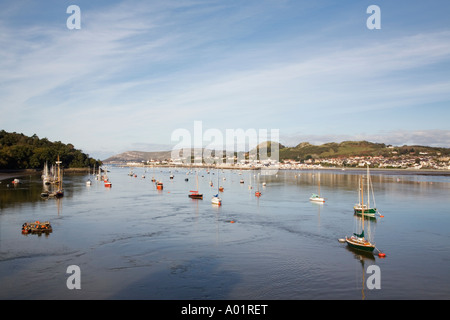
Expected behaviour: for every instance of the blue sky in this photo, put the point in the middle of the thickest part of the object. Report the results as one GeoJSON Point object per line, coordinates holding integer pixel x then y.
{"type": "Point", "coordinates": [138, 70]}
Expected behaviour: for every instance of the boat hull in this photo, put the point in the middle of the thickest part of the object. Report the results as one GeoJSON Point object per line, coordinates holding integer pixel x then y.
{"type": "Point", "coordinates": [368, 212]}
{"type": "Point", "coordinates": [196, 196]}
{"type": "Point", "coordinates": [359, 244]}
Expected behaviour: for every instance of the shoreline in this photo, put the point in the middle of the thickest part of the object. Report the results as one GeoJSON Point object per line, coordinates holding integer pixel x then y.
{"type": "Point", "coordinates": [6, 174]}
{"type": "Point", "coordinates": [379, 170]}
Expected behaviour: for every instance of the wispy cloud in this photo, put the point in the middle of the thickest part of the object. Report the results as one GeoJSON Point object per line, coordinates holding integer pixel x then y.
{"type": "Point", "coordinates": [147, 68]}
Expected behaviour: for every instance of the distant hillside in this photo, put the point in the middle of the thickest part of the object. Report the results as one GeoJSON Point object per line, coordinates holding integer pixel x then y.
{"type": "Point", "coordinates": [305, 150]}
{"type": "Point", "coordinates": [139, 156]}
{"type": "Point", "coordinates": [18, 151]}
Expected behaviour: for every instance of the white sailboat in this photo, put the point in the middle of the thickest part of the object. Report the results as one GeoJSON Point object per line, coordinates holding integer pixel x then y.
{"type": "Point", "coordinates": [316, 197]}
{"type": "Point", "coordinates": [46, 179]}
{"type": "Point", "coordinates": [215, 199]}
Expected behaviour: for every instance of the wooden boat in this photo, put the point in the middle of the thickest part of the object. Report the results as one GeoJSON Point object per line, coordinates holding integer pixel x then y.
{"type": "Point", "coordinates": [36, 227]}
{"type": "Point", "coordinates": [59, 193]}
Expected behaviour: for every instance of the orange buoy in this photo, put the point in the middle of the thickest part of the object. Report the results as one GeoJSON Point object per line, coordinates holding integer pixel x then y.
{"type": "Point", "coordinates": [381, 255]}
{"type": "Point", "coordinates": [231, 221]}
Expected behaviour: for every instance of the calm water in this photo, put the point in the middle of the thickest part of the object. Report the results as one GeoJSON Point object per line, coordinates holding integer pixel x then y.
{"type": "Point", "coordinates": [135, 242]}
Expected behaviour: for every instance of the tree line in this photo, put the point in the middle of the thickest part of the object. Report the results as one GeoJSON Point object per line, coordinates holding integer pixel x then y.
{"type": "Point", "coordinates": [18, 151]}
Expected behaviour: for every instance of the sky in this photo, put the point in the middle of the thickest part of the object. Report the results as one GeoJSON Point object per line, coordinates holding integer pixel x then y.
{"type": "Point", "coordinates": [137, 71]}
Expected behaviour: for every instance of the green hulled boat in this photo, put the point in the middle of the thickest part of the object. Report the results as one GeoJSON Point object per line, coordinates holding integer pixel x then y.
{"type": "Point", "coordinates": [358, 240]}
{"type": "Point", "coordinates": [365, 208]}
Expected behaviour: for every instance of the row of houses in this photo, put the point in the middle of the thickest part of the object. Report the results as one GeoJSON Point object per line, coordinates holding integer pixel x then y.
{"type": "Point", "coordinates": [397, 162]}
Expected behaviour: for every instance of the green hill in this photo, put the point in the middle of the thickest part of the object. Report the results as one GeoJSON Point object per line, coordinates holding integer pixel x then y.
{"type": "Point", "coordinates": [305, 150]}
{"type": "Point", "coordinates": [18, 151]}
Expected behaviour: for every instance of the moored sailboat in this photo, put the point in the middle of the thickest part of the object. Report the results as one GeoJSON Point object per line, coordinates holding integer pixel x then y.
{"type": "Point", "coordinates": [194, 193]}
{"type": "Point", "coordinates": [316, 197]}
{"type": "Point", "coordinates": [60, 191]}
{"type": "Point", "coordinates": [365, 208]}
{"type": "Point", "coordinates": [215, 199]}
{"type": "Point", "coordinates": [358, 240]}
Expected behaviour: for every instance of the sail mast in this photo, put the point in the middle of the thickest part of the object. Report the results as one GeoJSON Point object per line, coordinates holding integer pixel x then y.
{"type": "Point", "coordinates": [362, 203]}
{"type": "Point", "coordinates": [368, 188]}
{"type": "Point", "coordinates": [319, 184]}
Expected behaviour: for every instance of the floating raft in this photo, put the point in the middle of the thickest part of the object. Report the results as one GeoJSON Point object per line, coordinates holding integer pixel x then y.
{"type": "Point", "coordinates": [36, 227]}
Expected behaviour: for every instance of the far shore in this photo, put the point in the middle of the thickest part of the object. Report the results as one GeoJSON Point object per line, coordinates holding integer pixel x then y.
{"type": "Point", "coordinates": [18, 173]}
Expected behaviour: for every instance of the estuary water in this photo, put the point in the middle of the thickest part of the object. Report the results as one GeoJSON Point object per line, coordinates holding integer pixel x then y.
{"type": "Point", "coordinates": [133, 241]}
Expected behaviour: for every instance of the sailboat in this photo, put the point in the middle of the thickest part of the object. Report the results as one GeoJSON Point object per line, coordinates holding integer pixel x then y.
{"type": "Point", "coordinates": [358, 240]}
{"type": "Point", "coordinates": [60, 191]}
{"type": "Point", "coordinates": [215, 199]}
{"type": "Point", "coordinates": [195, 194]}
{"type": "Point", "coordinates": [46, 175]}
{"type": "Point", "coordinates": [108, 184]}
{"type": "Point", "coordinates": [89, 182]}
{"type": "Point", "coordinates": [316, 197]}
{"type": "Point", "coordinates": [257, 193]}
{"type": "Point", "coordinates": [361, 207]}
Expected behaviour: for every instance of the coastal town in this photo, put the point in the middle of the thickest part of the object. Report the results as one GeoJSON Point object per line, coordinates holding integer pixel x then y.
{"type": "Point", "coordinates": [423, 161]}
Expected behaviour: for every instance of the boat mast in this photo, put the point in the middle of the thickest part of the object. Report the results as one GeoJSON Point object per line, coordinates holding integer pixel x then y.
{"type": "Point", "coordinates": [368, 189]}
{"type": "Point", "coordinates": [362, 203]}
{"type": "Point", "coordinates": [319, 184]}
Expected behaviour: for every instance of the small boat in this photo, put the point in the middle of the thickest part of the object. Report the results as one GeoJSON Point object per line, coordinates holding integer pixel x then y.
{"type": "Point", "coordinates": [89, 182]}
{"type": "Point", "coordinates": [15, 181]}
{"type": "Point", "coordinates": [171, 176]}
{"type": "Point", "coordinates": [316, 197]}
{"type": "Point", "coordinates": [216, 200]}
{"type": "Point", "coordinates": [357, 241]}
{"type": "Point", "coordinates": [195, 194]}
{"type": "Point", "coordinates": [159, 185]}
{"type": "Point", "coordinates": [221, 189]}
{"type": "Point", "coordinates": [242, 181]}
{"type": "Point", "coordinates": [257, 193]}
{"type": "Point", "coordinates": [36, 227]}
